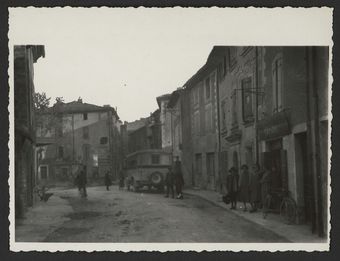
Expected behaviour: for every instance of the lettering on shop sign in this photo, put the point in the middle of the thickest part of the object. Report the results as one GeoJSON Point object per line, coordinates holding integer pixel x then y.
{"type": "Point", "coordinates": [273, 127]}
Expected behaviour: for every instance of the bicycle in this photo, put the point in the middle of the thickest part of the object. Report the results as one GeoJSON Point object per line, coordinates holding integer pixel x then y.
{"type": "Point", "coordinates": [288, 209]}
{"type": "Point", "coordinates": [287, 206]}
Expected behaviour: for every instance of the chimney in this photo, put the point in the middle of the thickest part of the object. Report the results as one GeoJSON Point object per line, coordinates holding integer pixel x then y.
{"type": "Point", "coordinates": [80, 100]}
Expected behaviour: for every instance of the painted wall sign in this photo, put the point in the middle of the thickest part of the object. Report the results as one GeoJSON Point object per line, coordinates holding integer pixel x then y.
{"type": "Point", "coordinates": [274, 127]}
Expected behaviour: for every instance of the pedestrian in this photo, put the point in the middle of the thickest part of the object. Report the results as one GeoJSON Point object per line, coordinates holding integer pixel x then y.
{"type": "Point", "coordinates": [169, 183]}
{"type": "Point", "coordinates": [265, 186]}
{"type": "Point", "coordinates": [121, 179]}
{"type": "Point", "coordinates": [108, 181]}
{"type": "Point", "coordinates": [244, 186]}
{"type": "Point", "coordinates": [83, 181]}
{"type": "Point", "coordinates": [232, 186]}
{"type": "Point", "coordinates": [178, 178]}
{"type": "Point", "coordinates": [77, 182]}
{"type": "Point", "coordinates": [254, 185]}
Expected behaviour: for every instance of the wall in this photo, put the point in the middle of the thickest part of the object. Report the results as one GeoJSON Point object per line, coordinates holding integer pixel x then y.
{"type": "Point", "coordinates": [100, 157]}
{"type": "Point", "coordinates": [25, 169]}
{"type": "Point", "coordinates": [165, 119]}
{"type": "Point", "coordinates": [205, 132]}
{"type": "Point", "coordinates": [237, 132]}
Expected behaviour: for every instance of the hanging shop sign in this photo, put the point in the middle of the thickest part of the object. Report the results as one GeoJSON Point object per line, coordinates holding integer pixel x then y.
{"type": "Point", "coordinates": [274, 127]}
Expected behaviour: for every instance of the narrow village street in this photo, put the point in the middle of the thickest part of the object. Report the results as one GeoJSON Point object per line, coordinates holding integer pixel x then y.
{"type": "Point", "coordinates": [124, 216]}
{"type": "Point", "coordinates": [241, 135]}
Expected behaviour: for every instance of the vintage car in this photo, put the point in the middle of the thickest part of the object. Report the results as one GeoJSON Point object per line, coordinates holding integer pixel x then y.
{"type": "Point", "coordinates": [147, 169]}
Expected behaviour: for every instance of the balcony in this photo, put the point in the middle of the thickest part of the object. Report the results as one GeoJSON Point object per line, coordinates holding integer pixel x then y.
{"type": "Point", "coordinates": [234, 135]}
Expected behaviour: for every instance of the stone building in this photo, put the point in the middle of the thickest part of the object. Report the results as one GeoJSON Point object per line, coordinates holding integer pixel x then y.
{"type": "Point", "coordinates": [24, 121]}
{"type": "Point", "coordinates": [79, 134]}
{"type": "Point", "coordinates": [145, 135]}
{"type": "Point", "coordinates": [238, 94]}
{"type": "Point", "coordinates": [179, 107]}
{"type": "Point", "coordinates": [204, 95]}
{"type": "Point", "coordinates": [165, 121]}
{"type": "Point", "coordinates": [293, 126]}
{"type": "Point", "coordinates": [274, 111]}
{"type": "Point", "coordinates": [266, 105]}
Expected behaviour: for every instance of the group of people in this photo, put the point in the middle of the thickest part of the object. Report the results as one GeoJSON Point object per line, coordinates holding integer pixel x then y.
{"type": "Point", "coordinates": [81, 181]}
{"type": "Point", "coordinates": [174, 178]}
{"type": "Point", "coordinates": [250, 186]}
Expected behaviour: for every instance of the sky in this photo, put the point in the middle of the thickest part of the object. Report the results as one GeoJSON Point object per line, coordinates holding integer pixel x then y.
{"type": "Point", "coordinates": [128, 57]}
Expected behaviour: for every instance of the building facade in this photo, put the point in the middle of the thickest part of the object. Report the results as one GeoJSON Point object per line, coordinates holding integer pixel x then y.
{"type": "Point", "coordinates": [259, 105]}
{"type": "Point", "coordinates": [274, 111]}
{"type": "Point", "coordinates": [238, 94]}
{"type": "Point", "coordinates": [146, 135]}
{"type": "Point", "coordinates": [179, 107]}
{"type": "Point", "coordinates": [165, 121]}
{"type": "Point", "coordinates": [293, 127]}
{"type": "Point", "coordinates": [24, 122]}
{"type": "Point", "coordinates": [203, 93]}
{"type": "Point", "coordinates": [80, 134]}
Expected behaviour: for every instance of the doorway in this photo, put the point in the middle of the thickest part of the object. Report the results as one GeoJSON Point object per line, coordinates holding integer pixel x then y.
{"type": "Point", "coordinates": [305, 175]}
{"type": "Point", "coordinates": [275, 159]}
{"type": "Point", "coordinates": [211, 170]}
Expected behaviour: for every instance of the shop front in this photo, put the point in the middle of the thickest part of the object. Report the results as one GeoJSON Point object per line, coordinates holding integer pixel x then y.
{"type": "Point", "coordinates": [271, 132]}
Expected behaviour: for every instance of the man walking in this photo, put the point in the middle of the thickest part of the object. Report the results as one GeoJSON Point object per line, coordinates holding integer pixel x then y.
{"type": "Point", "coordinates": [179, 181]}
{"type": "Point", "coordinates": [108, 181]}
{"type": "Point", "coordinates": [169, 183]}
{"type": "Point", "coordinates": [83, 181]}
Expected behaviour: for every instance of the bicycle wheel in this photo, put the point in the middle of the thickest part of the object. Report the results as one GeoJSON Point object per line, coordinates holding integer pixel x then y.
{"type": "Point", "coordinates": [266, 205]}
{"type": "Point", "coordinates": [288, 210]}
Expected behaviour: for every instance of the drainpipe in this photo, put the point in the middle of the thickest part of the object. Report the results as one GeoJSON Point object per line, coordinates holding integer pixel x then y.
{"type": "Point", "coordinates": [317, 145]}
{"type": "Point", "coordinates": [218, 130]}
{"type": "Point", "coordinates": [256, 105]}
{"type": "Point", "coordinates": [72, 143]}
{"type": "Point", "coordinates": [313, 143]}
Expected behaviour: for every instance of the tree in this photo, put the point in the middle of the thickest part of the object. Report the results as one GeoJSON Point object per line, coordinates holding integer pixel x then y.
{"type": "Point", "coordinates": [41, 102]}
{"type": "Point", "coordinates": [59, 99]}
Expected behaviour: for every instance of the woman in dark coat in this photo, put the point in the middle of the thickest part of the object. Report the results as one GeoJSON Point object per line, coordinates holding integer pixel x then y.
{"type": "Point", "coordinates": [232, 186]}
{"type": "Point", "coordinates": [178, 178]}
{"type": "Point", "coordinates": [254, 186]}
{"type": "Point", "coordinates": [244, 186]}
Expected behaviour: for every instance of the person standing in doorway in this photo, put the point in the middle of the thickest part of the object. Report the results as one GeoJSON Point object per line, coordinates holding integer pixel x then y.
{"type": "Point", "coordinates": [244, 186]}
{"type": "Point", "coordinates": [178, 178]}
{"type": "Point", "coordinates": [108, 181]}
{"type": "Point", "coordinates": [232, 186]}
{"type": "Point", "coordinates": [254, 184]}
{"type": "Point", "coordinates": [169, 183]}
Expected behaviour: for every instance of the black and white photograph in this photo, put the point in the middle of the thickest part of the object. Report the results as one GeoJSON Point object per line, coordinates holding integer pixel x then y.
{"type": "Point", "coordinates": [170, 128]}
